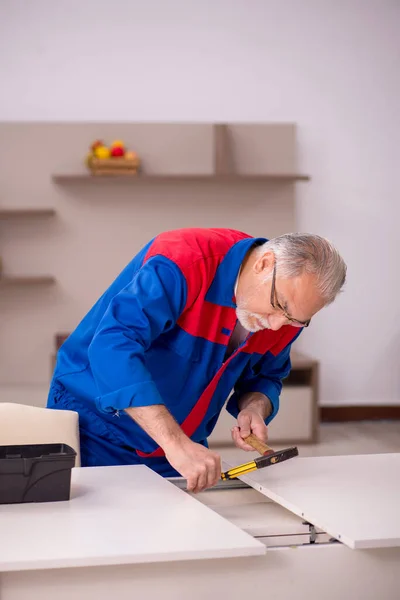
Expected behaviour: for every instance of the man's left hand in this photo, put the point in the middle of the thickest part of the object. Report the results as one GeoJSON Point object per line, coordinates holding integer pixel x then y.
{"type": "Point", "coordinates": [249, 421]}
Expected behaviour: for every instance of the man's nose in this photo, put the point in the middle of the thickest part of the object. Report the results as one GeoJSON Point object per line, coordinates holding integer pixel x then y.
{"type": "Point", "coordinates": [277, 321]}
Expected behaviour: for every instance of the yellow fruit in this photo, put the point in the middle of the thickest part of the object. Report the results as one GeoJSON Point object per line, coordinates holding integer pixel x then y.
{"type": "Point", "coordinates": [118, 144]}
{"type": "Point", "coordinates": [102, 152]}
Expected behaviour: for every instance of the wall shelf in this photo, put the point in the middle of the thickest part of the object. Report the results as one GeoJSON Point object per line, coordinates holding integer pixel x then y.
{"type": "Point", "coordinates": [12, 280]}
{"type": "Point", "coordinates": [25, 280]}
{"type": "Point", "coordinates": [234, 178]}
{"type": "Point", "coordinates": [207, 153]}
{"type": "Point", "coordinates": [9, 213]}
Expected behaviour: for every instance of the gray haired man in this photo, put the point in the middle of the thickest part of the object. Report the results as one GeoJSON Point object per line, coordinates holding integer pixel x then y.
{"type": "Point", "coordinates": [195, 314]}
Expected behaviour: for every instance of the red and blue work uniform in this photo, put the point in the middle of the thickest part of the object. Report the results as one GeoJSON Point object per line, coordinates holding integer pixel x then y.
{"type": "Point", "coordinates": [159, 335]}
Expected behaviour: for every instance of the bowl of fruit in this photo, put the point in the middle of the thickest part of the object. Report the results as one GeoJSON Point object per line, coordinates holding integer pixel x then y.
{"type": "Point", "coordinates": [115, 159]}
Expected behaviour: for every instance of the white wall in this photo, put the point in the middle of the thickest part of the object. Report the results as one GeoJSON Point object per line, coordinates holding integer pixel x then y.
{"type": "Point", "coordinates": [331, 66]}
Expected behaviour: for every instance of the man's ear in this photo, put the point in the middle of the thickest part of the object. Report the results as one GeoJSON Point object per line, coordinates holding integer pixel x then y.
{"type": "Point", "coordinates": [265, 263]}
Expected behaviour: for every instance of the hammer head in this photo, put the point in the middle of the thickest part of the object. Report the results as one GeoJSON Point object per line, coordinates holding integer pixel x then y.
{"type": "Point", "coordinates": [272, 458]}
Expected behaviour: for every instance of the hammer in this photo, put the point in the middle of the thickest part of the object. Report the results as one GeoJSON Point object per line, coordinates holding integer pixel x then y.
{"type": "Point", "coordinates": [268, 457]}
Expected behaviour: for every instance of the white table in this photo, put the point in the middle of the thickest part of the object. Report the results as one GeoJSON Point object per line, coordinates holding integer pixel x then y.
{"type": "Point", "coordinates": [128, 533]}
{"type": "Point", "coordinates": [354, 498]}
{"type": "Point", "coordinates": [117, 515]}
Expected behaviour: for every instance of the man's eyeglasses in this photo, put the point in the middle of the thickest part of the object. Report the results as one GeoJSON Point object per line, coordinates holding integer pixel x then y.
{"type": "Point", "coordinates": [275, 304]}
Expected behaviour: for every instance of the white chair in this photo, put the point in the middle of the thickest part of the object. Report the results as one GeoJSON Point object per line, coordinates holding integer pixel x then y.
{"type": "Point", "coordinates": [22, 424]}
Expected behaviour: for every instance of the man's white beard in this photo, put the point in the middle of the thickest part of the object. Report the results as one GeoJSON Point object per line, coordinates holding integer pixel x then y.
{"type": "Point", "coordinates": [249, 320]}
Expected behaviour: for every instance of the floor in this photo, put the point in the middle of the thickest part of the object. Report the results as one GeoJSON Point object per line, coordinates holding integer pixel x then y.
{"type": "Point", "coordinates": [369, 437]}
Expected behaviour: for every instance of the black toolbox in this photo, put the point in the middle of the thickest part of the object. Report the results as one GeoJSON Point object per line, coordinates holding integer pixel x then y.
{"type": "Point", "coordinates": [35, 473]}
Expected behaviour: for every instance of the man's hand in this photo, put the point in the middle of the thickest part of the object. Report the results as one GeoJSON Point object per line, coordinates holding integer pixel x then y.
{"type": "Point", "coordinates": [198, 465]}
{"type": "Point", "coordinates": [255, 407]}
{"type": "Point", "coordinates": [249, 421]}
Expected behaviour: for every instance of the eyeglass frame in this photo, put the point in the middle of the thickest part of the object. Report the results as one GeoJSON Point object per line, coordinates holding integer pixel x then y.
{"type": "Point", "coordinates": [275, 304]}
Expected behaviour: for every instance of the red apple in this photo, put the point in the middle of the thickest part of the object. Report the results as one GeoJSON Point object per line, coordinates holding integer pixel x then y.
{"type": "Point", "coordinates": [117, 151]}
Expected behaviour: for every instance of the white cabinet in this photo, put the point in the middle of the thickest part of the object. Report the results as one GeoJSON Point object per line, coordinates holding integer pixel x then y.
{"type": "Point", "coordinates": [294, 421]}
{"type": "Point", "coordinates": [297, 419]}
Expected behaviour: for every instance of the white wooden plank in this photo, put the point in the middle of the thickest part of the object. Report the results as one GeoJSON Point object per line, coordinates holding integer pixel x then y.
{"type": "Point", "coordinates": [356, 499]}
{"type": "Point", "coordinates": [264, 519]}
{"type": "Point", "coordinates": [117, 515]}
{"type": "Point", "coordinates": [253, 512]}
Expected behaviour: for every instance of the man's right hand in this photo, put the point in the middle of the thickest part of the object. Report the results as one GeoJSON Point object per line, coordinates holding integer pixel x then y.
{"type": "Point", "coordinates": [198, 465]}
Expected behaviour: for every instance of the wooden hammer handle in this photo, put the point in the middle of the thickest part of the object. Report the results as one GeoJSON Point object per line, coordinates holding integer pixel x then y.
{"type": "Point", "coordinates": [257, 444]}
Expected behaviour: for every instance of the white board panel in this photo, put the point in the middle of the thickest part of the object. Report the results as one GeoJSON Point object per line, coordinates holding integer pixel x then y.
{"type": "Point", "coordinates": [117, 515]}
{"type": "Point", "coordinates": [356, 499]}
